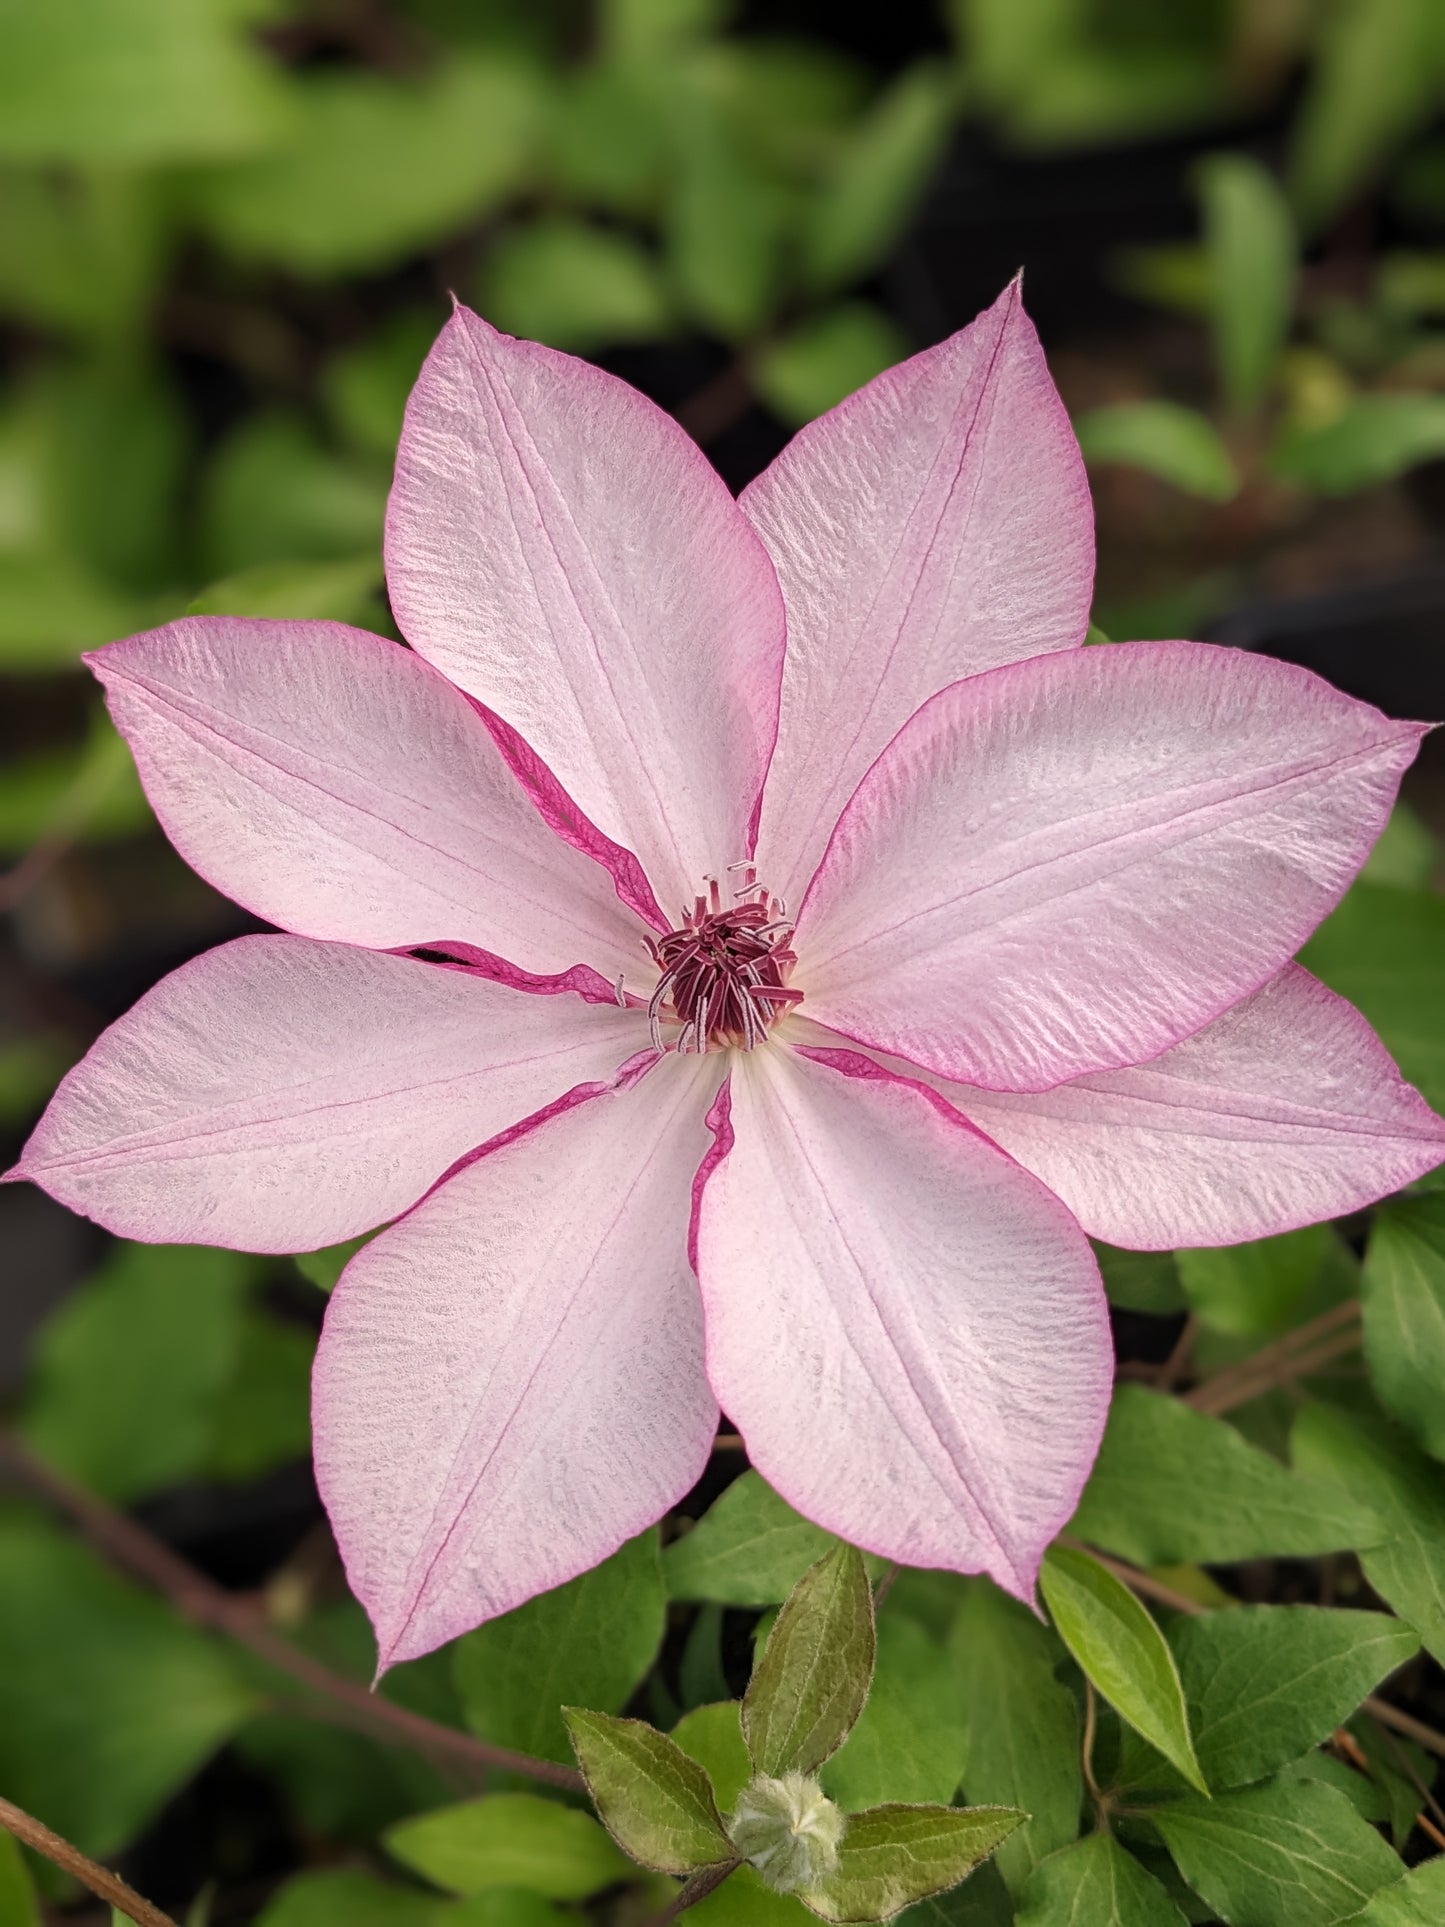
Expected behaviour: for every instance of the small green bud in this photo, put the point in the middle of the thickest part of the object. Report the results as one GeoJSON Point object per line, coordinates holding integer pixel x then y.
{"type": "Point", "coordinates": [789, 1830]}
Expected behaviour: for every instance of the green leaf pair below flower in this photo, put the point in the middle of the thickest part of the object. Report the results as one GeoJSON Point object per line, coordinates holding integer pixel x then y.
{"type": "Point", "coordinates": [806, 1694]}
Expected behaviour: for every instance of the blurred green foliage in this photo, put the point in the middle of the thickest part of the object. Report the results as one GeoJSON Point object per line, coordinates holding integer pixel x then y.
{"type": "Point", "coordinates": [229, 230]}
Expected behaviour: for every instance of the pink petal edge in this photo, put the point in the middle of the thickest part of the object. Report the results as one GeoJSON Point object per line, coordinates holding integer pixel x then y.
{"type": "Point", "coordinates": [334, 784]}
{"type": "Point", "coordinates": [1069, 864]}
{"type": "Point", "coordinates": [1284, 1112]}
{"type": "Point", "coordinates": [279, 1094]}
{"type": "Point", "coordinates": [564, 552]}
{"type": "Point", "coordinates": [509, 1383]}
{"type": "Point", "coordinates": [909, 1331]}
{"type": "Point", "coordinates": [933, 525]}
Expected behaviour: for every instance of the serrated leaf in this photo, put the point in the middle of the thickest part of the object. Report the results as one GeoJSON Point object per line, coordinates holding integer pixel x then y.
{"type": "Point", "coordinates": [1171, 1484]}
{"type": "Point", "coordinates": [1122, 1652]}
{"type": "Point", "coordinates": [1095, 1883]}
{"type": "Point", "coordinates": [1252, 250]}
{"type": "Point", "coordinates": [509, 1840]}
{"type": "Point", "coordinates": [1367, 1458]}
{"type": "Point", "coordinates": [1179, 445]}
{"type": "Point", "coordinates": [586, 1643]}
{"type": "Point", "coordinates": [909, 1740]}
{"type": "Point", "coordinates": [1020, 1724]}
{"type": "Point", "coordinates": [1384, 950]}
{"type": "Point", "coordinates": [1404, 1298]}
{"type": "Point", "coordinates": [809, 1687]}
{"type": "Point", "coordinates": [1264, 1684]}
{"type": "Point", "coordinates": [1290, 1853]}
{"type": "Point", "coordinates": [748, 1549]}
{"type": "Point", "coordinates": [894, 1855]}
{"type": "Point", "coordinates": [1416, 1901]}
{"type": "Point", "coordinates": [654, 1800]}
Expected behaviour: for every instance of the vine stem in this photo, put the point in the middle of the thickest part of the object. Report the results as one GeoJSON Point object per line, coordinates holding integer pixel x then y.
{"type": "Point", "coordinates": [1324, 1339]}
{"type": "Point", "coordinates": [707, 1880]}
{"type": "Point", "coordinates": [1148, 1587]}
{"type": "Point", "coordinates": [101, 1881]}
{"type": "Point", "coordinates": [140, 1553]}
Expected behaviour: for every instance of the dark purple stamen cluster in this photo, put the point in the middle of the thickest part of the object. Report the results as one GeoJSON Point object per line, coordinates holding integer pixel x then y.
{"type": "Point", "coordinates": [725, 970]}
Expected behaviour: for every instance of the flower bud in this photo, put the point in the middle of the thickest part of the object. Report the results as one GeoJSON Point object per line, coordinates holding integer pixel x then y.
{"type": "Point", "coordinates": [789, 1830]}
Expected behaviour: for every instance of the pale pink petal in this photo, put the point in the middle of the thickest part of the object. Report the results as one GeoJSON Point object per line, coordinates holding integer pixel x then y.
{"type": "Point", "coordinates": [334, 784]}
{"type": "Point", "coordinates": [279, 1094]}
{"type": "Point", "coordinates": [1071, 864]}
{"type": "Point", "coordinates": [935, 524]}
{"type": "Point", "coordinates": [1285, 1111]}
{"type": "Point", "coordinates": [560, 548]}
{"type": "Point", "coordinates": [907, 1329]}
{"type": "Point", "coordinates": [510, 1380]}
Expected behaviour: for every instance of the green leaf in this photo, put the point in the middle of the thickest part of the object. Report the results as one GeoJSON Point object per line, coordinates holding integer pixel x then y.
{"type": "Point", "coordinates": [589, 1643]}
{"type": "Point", "coordinates": [366, 387]}
{"type": "Point", "coordinates": [1391, 1763]}
{"type": "Point", "coordinates": [1292, 1853]}
{"type": "Point", "coordinates": [1375, 439]}
{"type": "Point", "coordinates": [1122, 1651]}
{"type": "Point", "coordinates": [655, 1801]}
{"type": "Point", "coordinates": [1264, 1684]}
{"type": "Point", "coordinates": [323, 1268]}
{"type": "Point", "coordinates": [878, 178]}
{"type": "Point", "coordinates": [713, 1736]}
{"type": "Point", "coordinates": [1384, 950]}
{"type": "Point", "coordinates": [509, 1840]}
{"type": "Point", "coordinates": [808, 370]}
{"type": "Point", "coordinates": [1253, 1289]}
{"type": "Point", "coordinates": [358, 1899]}
{"type": "Point", "coordinates": [1171, 1484]}
{"type": "Point", "coordinates": [108, 1701]}
{"type": "Point", "coordinates": [1138, 1280]}
{"type": "Point", "coordinates": [91, 792]}
{"type": "Point", "coordinates": [1379, 1465]}
{"type": "Point", "coordinates": [726, 226]}
{"type": "Point", "coordinates": [130, 1369]}
{"type": "Point", "coordinates": [262, 1418]}
{"type": "Point", "coordinates": [81, 253]}
{"type": "Point", "coordinates": [273, 493]}
{"type": "Point", "coordinates": [808, 1688]}
{"type": "Point", "coordinates": [377, 168]}
{"type": "Point", "coordinates": [1179, 445]}
{"type": "Point", "coordinates": [342, 591]}
{"type": "Point", "coordinates": [1095, 1883]}
{"type": "Point", "coordinates": [1252, 250]}
{"type": "Point", "coordinates": [1372, 81]}
{"type": "Point", "coordinates": [893, 1855]}
{"type": "Point", "coordinates": [748, 1549]}
{"type": "Point", "coordinates": [575, 286]}
{"type": "Point", "coordinates": [18, 1905]}
{"type": "Point", "coordinates": [909, 1740]}
{"type": "Point", "coordinates": [743, 1901]}
{"type": "Point", "coordinates": [135, 83]}
{"type": "Point", "coordinates": [609, 138]}
{"type": "Point", "coordinates": [1406, 854]}
{"type": "Point", "coordinates": [1416, 1901]}
{"type": "Point", "coordinates": [1021, 1725]}
{"type": "Point", "coordinates": [1404, 1294]}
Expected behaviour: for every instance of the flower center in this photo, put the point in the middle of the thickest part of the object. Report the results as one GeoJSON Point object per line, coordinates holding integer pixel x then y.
{"type": "Point", "coordinates": [725, 968]}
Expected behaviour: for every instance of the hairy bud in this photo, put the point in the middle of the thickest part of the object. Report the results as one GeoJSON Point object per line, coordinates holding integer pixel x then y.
{"type": "Point", "coordinates": [788, 1830]}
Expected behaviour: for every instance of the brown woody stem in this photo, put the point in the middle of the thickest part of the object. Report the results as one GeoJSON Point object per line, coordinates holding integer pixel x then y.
{"type": "Point", "coordinates": [101, 1881]}
{"type": "Point", "coordinates": [129, 1545]}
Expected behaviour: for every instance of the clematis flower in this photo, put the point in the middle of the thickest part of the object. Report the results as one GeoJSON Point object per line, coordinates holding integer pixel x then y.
{"type": "Point", "coordinates": [740, 949]}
